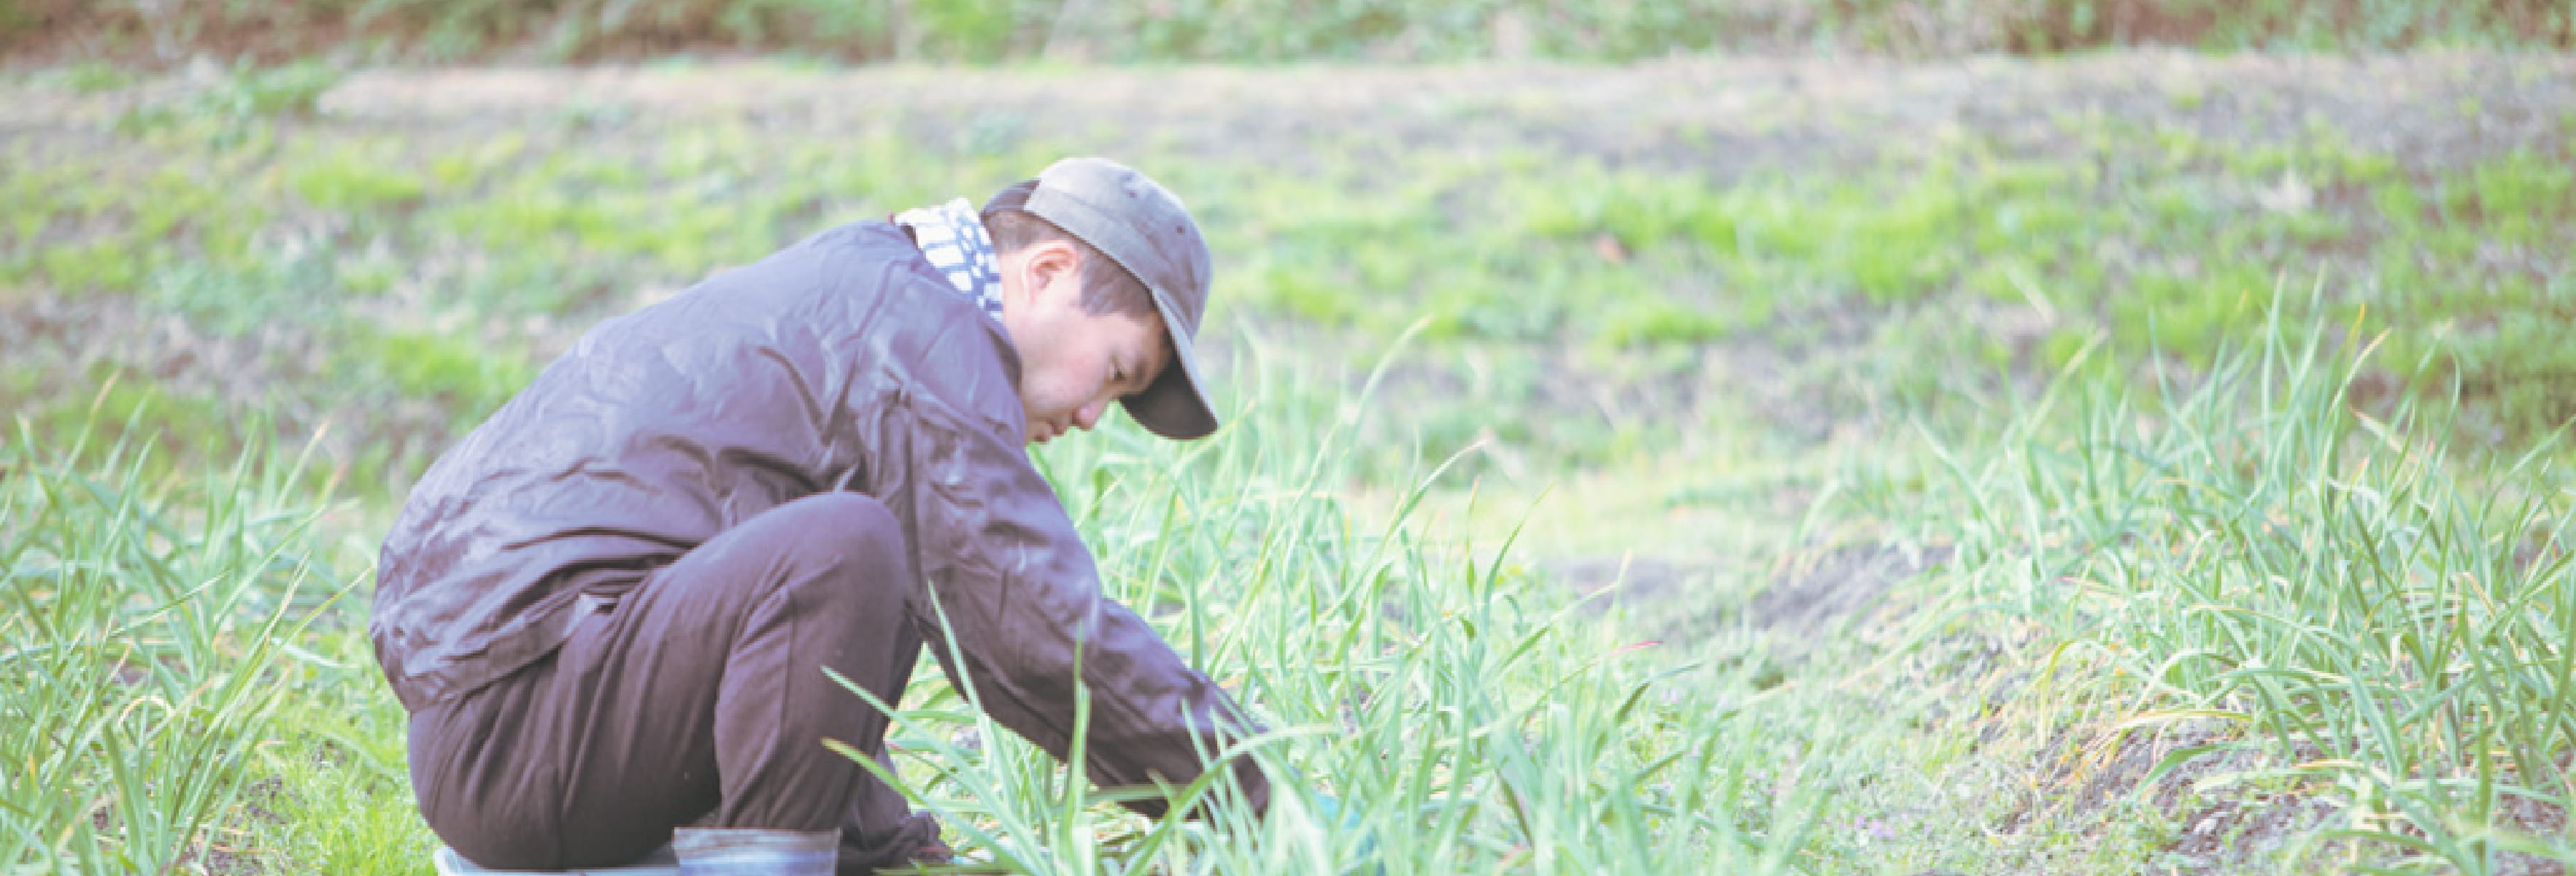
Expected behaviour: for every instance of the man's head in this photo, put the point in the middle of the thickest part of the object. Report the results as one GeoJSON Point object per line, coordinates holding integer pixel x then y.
{"type": "Point", "coordinates": [1104, 277]}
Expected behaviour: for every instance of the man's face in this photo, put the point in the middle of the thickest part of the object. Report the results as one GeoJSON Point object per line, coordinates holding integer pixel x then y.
{"type": "Point", "coordinates": [1072, 364]}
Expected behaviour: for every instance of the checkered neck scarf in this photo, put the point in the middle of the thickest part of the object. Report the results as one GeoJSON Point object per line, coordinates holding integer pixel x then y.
{"type": "Point", "coordinates": [952, 237]}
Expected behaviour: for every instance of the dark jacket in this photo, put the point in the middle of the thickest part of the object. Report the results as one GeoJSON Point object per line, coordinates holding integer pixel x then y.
{"type": "Point", "coordinates": [844, 362]}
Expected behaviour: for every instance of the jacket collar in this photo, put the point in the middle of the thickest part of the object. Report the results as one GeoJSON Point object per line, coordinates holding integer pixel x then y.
{"type": "Point", "coordinates": [952, 237]}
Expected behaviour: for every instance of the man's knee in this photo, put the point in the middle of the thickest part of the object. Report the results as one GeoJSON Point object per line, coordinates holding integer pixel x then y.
{"type": "Point", "coordinates": [849, 539]}
{"type": "Point", "coordinates": [855, 525]}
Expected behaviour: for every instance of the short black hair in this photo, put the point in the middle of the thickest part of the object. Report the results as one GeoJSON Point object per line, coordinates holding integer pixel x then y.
{"type": "Point", "coordinates": [1107, 287]}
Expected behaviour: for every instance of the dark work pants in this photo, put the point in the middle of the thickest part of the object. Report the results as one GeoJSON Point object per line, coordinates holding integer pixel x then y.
{"type": "Point", "coordinates": [698, 698]}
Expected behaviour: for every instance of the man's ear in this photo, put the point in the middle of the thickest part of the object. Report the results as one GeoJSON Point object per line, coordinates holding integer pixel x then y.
{"type": "Point", "coordinates": [1052, 268]}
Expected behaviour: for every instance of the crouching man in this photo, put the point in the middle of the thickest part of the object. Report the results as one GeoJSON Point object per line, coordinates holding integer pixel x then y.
{"type": "Point", "coordinates": [609, 610]}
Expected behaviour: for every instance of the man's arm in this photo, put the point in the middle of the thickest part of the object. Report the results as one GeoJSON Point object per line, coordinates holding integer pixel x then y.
{"type": "Point", "coordinates": [1023, 599]}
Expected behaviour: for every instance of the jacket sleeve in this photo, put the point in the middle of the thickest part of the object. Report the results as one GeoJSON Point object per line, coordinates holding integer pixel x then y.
{"type": "Point", "coordinates": [1023, 600]}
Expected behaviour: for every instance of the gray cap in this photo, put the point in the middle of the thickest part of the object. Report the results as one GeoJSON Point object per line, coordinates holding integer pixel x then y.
{"type": "Point", "coordinates": [1143, 227]}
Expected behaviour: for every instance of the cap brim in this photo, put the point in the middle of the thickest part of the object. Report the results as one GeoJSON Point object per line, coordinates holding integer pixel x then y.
{"type": "Point", "coordinates": [1174, 406]}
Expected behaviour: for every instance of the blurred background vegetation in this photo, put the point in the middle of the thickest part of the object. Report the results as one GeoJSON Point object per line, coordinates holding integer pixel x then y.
{"type": "Point", "coordinates": [1973, 441]}
{"type": "Point", "coordinates": [979, 31]}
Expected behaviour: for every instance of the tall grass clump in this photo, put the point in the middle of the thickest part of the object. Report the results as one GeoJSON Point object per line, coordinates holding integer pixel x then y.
{"type": "Point", "coordinates": [2321, 601]}
{"type": "Point", "coordinates": [143, 626]}
{"type": "Point", "coordinates": [1432, 708]}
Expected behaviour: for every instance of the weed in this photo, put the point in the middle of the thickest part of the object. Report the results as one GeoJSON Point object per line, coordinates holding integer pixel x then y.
{"type": "Point", "coordinates": [146, 631]}
{"type": "Point", "coordinates": [2334, 585]}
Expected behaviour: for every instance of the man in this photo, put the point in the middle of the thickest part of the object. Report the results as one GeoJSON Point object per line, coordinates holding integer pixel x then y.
{"type": "Point", "coordinates": [610, 609]}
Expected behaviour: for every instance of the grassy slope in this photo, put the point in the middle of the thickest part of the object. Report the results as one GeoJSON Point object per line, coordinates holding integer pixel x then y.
{"type": "Point", "coordinates": [1777, 379]}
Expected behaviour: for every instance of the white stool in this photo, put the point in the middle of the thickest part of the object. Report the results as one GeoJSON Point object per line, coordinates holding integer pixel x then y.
{"type": "Point", "coordinates": [660, 863]}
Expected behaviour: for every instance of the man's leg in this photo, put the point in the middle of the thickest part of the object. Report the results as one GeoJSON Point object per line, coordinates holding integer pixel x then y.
{"type": "Point", "coordinates": [699, 698]}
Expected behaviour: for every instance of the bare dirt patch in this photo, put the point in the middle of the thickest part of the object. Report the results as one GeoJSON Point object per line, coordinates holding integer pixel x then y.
{"type": "Point", "coordinates": [1807, 597]}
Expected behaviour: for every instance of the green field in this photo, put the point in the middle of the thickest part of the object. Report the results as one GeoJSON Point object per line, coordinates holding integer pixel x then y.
{"type": "Point", "coordinates": [2136, 462]}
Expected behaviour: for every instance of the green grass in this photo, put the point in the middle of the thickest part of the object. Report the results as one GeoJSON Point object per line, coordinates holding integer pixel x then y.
{"type": "Point", "coordinates": [2163, 239]}
{"type": "Point", "coordinates": [1451, 702]}
{"type": "Point", "coordinates": [149, 644]}
{"type": "Point", "coordinates": [2372, 621]}
{"type": "Point", "coordinates": [2375, 620]}
{"type": "Point", "coordinates": [1518, 738]}
{"type": "Point", "coordinates": [2181, 547]}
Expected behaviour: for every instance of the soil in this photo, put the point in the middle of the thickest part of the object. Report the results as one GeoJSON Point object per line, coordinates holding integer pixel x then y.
{"type": "Point", "coordinates": [1809, 597]}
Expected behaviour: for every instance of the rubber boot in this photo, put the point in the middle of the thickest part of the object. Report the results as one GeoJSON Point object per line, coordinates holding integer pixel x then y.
{"type": "Point", "coordinates": [731, 851]}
